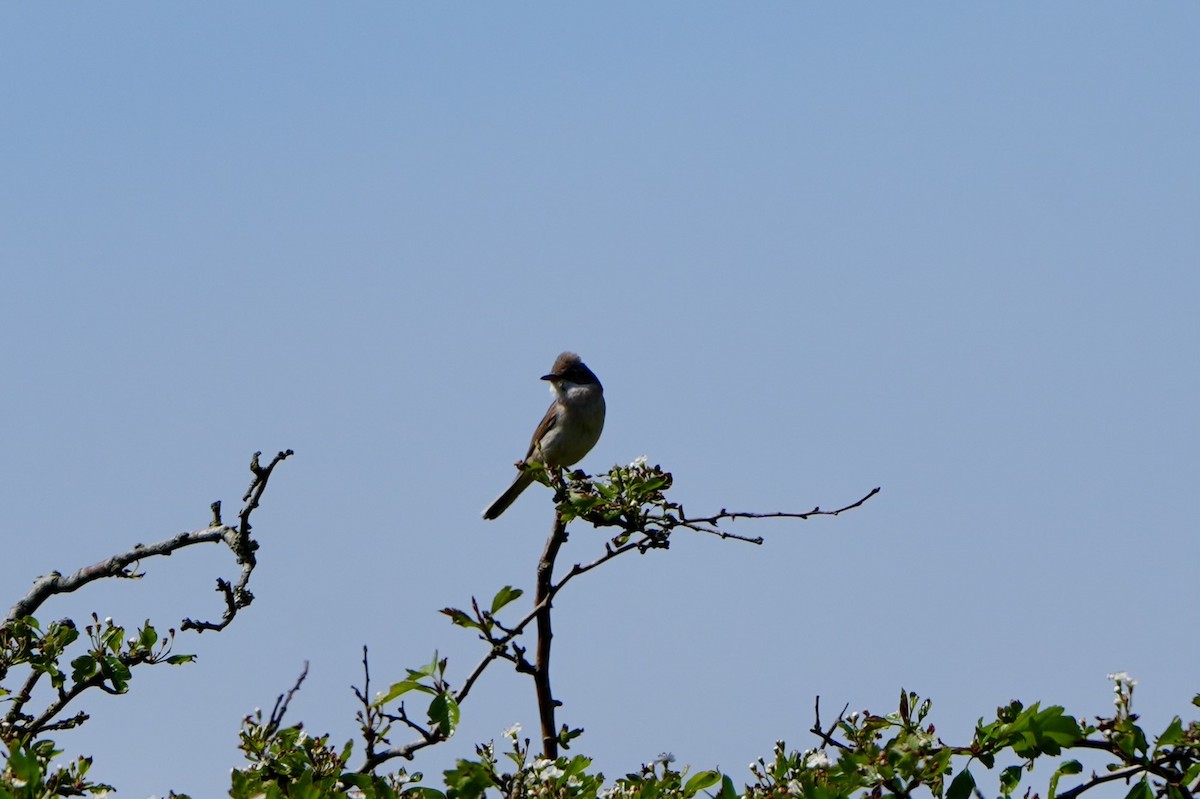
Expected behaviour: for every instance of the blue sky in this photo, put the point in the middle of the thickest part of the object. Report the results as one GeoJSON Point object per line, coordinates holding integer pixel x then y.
{"type": "Point", "coordinates": [947, 249]}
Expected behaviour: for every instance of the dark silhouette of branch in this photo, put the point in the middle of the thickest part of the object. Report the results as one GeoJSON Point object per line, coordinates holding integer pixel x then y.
{"type": "Point", "coordinates": [1100, 779]}
{"type": "Point", "coordinates": [238, 596]}
{"type": "Point", "coordinates": [820, 732]}
{"type": "Point", "coordinates": [610, 551]}
{"type": "Point", "coordinates": [1161, 767]}
{"type": "Point", "coordinates": [108, 677]}
{"type": "Point", "coordinates": [115, 566]}
{"type": "Point", "coordinates": [123, 565]}
{"type": "Point", "coordinates": [642, 533]}
{"type": "Point", "coordinates": [541, 672]}
{"type": "Point", "coordinates": [275, 720]}
{"type": "Point", "coordinates": [31, 727]}
{"type": "Point", "coordinates": [499, 650]}
{"type": "Point", "coordinates": [368, 717]}
{"type": "Point", "coordinates": [699, 522]}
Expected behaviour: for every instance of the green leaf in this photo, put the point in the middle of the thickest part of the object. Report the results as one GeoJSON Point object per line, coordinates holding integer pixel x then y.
{"type": "Point", "coordinates": [444, 712]}
{"type": "Point", "coordinates": [399, 689]}
{"type": "Point", "coordinates": [727, 789]}
{"type": "Point", "coordinates": [504, 596]}
{"type": "Point", "coordinates": [1192, 773]}
{"type": "Point", "coordinates": [1068, 767]}
{"type": "Point", "coordinates": [113, 637]}
{"type": "Point", "coordinates": [1140, 790]}
{"type": "Point", "coordinates": [24, 765]}
{"type": "Point", "coordinates": [1137, 739]}
{"type": "Point", "coordinates": [460, 618]}
{"type": "Point", "coordinates": [421, 792]}
{"type": "Point", "coordinates": [1036, 732]}
{"type": "Point", "coordinates": [1172, 735]}
{"type": "Point", "coordinates": [961, 786]}
{"type": "Point", "coordinates": [117, 672]}
{"type": "Point", "coordinates": [82, 668]}
{"type": "Point", "coordinates": [700, 781]}
{"type": "Point", "coordinates": [469, 779]}
{"type": "Point", "coordinates": [1010, 778]}
{"type": "Point", "coordinates": [175, 660]}
{"type": "Point", "coordinates": [428, 670]}
{"type": "Point", "coordinates": [148, 636]}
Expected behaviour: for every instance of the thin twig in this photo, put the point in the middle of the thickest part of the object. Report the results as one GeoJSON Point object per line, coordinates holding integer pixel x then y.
{"type": "Point", "coordinates": [726, 514]}
{"type": "Point", "coordinates": [818, 731]}
{"type": "Point", "coordinates": [1100, 779]}
{"type": "Point", "coordinates": [275, 721]}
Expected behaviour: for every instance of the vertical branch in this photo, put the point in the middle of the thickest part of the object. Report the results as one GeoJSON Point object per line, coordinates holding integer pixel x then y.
{"type": "Point", "coordinates": [541, 672]}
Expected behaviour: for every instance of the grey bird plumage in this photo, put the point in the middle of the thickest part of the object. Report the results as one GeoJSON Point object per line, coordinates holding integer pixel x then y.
{"type": "Point", "coordinates": [570, 428]}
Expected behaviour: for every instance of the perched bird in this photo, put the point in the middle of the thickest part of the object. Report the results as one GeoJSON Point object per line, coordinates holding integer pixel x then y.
{"type": "Point", "coordinates": [570, 428]}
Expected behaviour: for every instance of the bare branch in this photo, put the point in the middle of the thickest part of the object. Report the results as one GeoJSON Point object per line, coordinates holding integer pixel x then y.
{"type": "Point", "coordinates": [544, 596]}
{"type": "Point", "coordinates": [115, 566]}
{"type": "Point", "coordinates": [725, 514]}
{"type": "Point", "coordinates": [123, 565]}
{"type": "Point", "coordinates": [119, 565]}
{"type": "Point", "coordinates": [281, 703]}
{"type": "Point", "coordinates": [238, 596]}
{"type": "Point", "coordinates": [1097, 779]}
{"type": "Point", "coordinates": [647, 531]}
{"type": "Point", "coordinates": [820, 732]}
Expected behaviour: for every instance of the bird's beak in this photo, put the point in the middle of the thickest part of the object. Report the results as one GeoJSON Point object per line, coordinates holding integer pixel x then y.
{"type": "Point", "coordinates": [551, 378]}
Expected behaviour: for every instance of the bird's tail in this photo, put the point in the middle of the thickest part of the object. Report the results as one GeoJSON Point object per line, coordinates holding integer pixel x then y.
{"type": "Point", "coordinates": [504, 500]}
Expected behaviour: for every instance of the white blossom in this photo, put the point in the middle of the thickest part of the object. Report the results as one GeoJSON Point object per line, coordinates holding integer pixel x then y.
{"type": "Point", "coordinates": [513, 731]}
{"type": "Point", "coordinates": [638, 462]}
{"type": "Point", "coordinates": [1122, 677]}
{"type": "Point", "coordinates": [817, 759]}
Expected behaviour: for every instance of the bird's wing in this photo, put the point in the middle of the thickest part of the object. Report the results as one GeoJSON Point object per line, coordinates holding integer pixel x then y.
{"type": "Point", "coordinates": [547, 424]}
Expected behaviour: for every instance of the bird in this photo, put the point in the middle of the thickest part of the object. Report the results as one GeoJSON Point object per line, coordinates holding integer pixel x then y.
{"type": "Point", "coordinates": [568, 431]}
